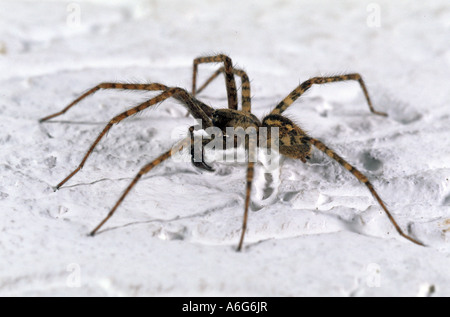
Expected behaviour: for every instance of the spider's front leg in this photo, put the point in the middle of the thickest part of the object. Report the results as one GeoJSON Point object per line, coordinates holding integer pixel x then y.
{"type": "Point", "coordinates": [229, 76]}
{"type": "Point", "coordinates": [195, 107]}
{"type": "Point", "coordinates": [245, 87]}
{"type": "Point", "coordinates": [118, 86]}
{"type": "Point", "coordinates": [144, 170]}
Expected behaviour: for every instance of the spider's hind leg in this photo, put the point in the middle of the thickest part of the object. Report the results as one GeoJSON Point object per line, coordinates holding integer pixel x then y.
{"type": "Point", "coordinates": [363, 179]}
{"type": "Point", "coordinates": [295, 143]}
{"type": "Point", "coordinates": [297, 92]}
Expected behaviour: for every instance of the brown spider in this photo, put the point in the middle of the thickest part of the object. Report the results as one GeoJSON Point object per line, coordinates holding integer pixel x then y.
{"type": "Point", "coordinates": [293, 141]}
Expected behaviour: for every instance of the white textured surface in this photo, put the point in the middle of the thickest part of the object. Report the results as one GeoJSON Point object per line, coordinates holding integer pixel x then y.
{"type": "Point", "coordinates": [320, 232]}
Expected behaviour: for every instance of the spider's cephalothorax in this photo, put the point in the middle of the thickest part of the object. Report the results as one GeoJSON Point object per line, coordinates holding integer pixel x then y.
{"type": "Point", "coordinates": [291, 140]}
{"type": "Point", "coordinates": [226, 118]}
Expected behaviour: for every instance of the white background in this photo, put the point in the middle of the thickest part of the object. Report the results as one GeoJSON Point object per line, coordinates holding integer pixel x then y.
{"type": "Point", "coordinates": [318, 233]}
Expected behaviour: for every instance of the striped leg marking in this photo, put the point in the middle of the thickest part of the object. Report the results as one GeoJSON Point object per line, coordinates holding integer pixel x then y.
{"type": "Point", "coordinates": [245, 86]}
{"type": "Point", "coordinates": [297, 92]}
{"type": "Point", "coordinates": [149, 87]}
{"type": "Point", "coordinates": [229, 76]}
{"type": "Point", "coordinates": [363, 179]}
{"type": "Point", "coordinates": [252, 147]}
{"type": "Point", "coordinates": [180, 94]}
{"type": "Point", "coordinates": [144, 170]}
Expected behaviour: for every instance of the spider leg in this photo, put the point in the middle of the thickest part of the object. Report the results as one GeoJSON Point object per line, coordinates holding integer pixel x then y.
{"type": "Point", "coordinates": [297, 92]}
{"type": "Point", "coordinates": [145, 169]}
{"type": "Point", "coordinates": [252, 146]}
{"type": "Point", "coordinates": [245, 89]}
{"type": "Point", "coordinates": [363, 179]}
{"type": "Point", "coordinates": [250, 174]}
{"type": "Point", "coordinates": [229, 76]}
{"type": "Point", "coordinates": [193, 105]}
{"type": "Point", "coordinates": [150, 87]}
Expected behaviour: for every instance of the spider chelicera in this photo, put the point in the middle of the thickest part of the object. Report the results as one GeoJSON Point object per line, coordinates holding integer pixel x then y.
{"type": "Point", "coordinates": [292, 141]}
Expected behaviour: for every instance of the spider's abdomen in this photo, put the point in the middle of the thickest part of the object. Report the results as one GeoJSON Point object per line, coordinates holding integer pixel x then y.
{"type": "Point", "coordinates": [292, 142]}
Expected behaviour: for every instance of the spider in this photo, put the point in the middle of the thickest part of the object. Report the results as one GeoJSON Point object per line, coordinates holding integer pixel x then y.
{"type": "Point", "coordinates": [293, 142]}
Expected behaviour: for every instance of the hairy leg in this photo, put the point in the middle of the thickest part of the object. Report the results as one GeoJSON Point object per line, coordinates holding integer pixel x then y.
{"type": "Point", "coordinates": [149, 87]}
{"type": "Point", "coordinates": [229, 76]}
{"type": "Point", "coordinates": [297, 92]}
{"type": "Point", "coordinates": [251, 141]}
{"type": "Point", "coordinates": [192, 104]}
{"type": "Point", "coordinates": [245, 87]}
{"type": "Point", "coordinates": [363, 179]}
{"type": "Point", "coordinates": [145, 169]}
